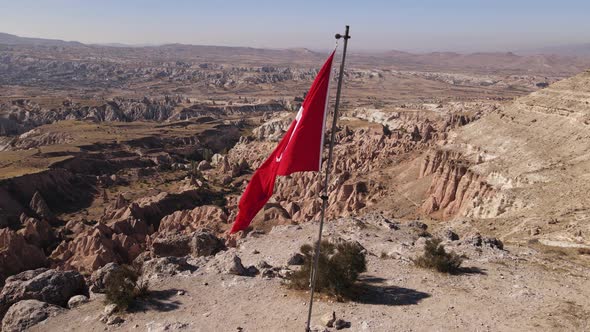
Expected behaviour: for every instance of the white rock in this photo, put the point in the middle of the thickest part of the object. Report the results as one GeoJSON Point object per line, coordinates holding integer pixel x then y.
{"type": "Point", "coordinates": [110, 309]}
{"type": "Point", "coordinates": [77, 300]}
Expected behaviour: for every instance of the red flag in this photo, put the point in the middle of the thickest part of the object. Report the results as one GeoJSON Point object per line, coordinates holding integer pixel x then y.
{"type": "Point", "coordinates": [299, 150]}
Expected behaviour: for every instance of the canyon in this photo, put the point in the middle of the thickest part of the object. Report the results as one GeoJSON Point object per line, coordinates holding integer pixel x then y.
{"type": "Point", "coordinates": [120, 155]}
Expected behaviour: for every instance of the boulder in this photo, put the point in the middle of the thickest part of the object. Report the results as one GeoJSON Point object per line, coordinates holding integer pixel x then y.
{"type": "Point", "coordinates": [206, 244]}
{"type": "Point", "coordinates": [51, 286]}
{"type": "Point", "coordinates": [165, 267]}
{"type": "Point", "coordinates": [480, 241]}
{"type": "Point", "coordinates": [449, 235]}
{"type": "Point", "coordinates": [233, 265]}
{"type": "Point", "coordinates": [228, 263]}
{"type": "Point", "coordinates": [77, 300]}
{"type": "Point", "coordinates": [196, 244]}
{"type": "Point", "coordinates": [99, 277]}
{"type": "Point", "coordinates": [110, 309]}
{"type": "Point", "coordinates": [171, 245]}
{"type": "Point", "coordinates": [24, 314]}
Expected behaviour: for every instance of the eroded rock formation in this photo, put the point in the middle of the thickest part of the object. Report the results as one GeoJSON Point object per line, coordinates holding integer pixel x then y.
{"type": "Point", "coordinates": [17, 255]}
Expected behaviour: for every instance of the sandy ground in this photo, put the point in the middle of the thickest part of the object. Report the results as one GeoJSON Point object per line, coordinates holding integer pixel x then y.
{"type": "Point", "coordinates": [505, 290]}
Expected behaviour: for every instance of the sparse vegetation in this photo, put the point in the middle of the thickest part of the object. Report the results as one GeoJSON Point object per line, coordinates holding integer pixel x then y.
{"type": "Point", "coordinates": [436, 257]}
{"type": "Point", "coordinates": [338, 269]}
{"type": "Point", "coordinates": [584, 251]}
{"type": "Point", "coordinates": [124, 285]}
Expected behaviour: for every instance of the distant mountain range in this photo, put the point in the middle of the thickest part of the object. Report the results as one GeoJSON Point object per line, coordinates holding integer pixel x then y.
{"type": "Point", "coordinates": [550, 60]}
{"type": "Point", "coordinates": [582, 50]}
{"type": "Point", "coordinates": [8, 39]}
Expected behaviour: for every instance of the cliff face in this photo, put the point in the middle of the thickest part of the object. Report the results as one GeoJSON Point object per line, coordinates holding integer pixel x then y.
{"type": "Point", "coordinates": [454, 188]}
{"type": "Point", "coordinates": [59, 187]}
{"type": "Point", "coordinates": [22, 115]}
{"type": "Point", "coordinates": [529, 162]}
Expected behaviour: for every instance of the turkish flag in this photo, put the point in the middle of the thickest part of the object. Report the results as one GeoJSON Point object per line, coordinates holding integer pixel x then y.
{"type": "Point", "coordinates": [299, 150]}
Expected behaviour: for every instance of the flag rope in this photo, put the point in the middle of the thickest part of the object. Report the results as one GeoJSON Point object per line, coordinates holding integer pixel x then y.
{"type": "Point", "coordinates": [324, 195]}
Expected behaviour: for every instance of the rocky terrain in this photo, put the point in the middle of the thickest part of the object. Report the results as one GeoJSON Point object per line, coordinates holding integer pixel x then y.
{"type": "Point", "coordinates": [395, 295]}
{"type": "Point", "coordinates": [112, 156]}
{"type": "Point", "coordinates": [527, 173]}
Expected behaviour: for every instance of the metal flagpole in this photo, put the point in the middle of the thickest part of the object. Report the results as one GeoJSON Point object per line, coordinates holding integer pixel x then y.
{"type": "Point", "coordinates": [326, 180]}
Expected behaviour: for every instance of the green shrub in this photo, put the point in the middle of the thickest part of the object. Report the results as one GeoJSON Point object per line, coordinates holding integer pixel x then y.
{"type": "Point", "coordinates": [124, 285]}
{"type": "Point", "coordinates": [435, 257]}
{"type": "Point", "coordinates": [339, 266]}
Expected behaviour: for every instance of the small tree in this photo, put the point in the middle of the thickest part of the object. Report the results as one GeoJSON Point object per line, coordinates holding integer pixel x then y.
{"type": "Point", "coordinates": [124, 285]}
{"type": "Point", "coordinates": [435, 257]}
{"type": "Point", "coordinates": [339, 266]}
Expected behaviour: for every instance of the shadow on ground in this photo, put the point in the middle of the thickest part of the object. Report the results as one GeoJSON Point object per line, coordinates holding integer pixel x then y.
{"type": "Point", "coordinates": [471, 270]}
{"type": "Point", "coordinates": [372, 290]}
{"type": "Point", "coordinates": [157, 300]}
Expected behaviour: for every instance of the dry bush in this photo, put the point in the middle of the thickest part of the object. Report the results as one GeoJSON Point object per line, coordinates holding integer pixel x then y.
{"type": "Point", "coordinates": [435, 257]}
{"type": "Point", "coordinates": [584, 251]}
{"type": "Point", "coordinates": [124, 285]}
{"type": "Point", "coordinates": [339, 266]}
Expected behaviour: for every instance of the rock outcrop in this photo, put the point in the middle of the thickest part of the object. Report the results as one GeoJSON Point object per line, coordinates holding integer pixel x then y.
{"type": "Point", "coordinates": [17, 255]}
{"type": "Point", "coordinates": [99, 277]}
{"type": "Point", "coordinates": [524, 163]}
{"type": "Point", "coordinates": [188, 221]}
{"type": "Point", "coordinates": [24, 314]}
{"type": "Point", "coordinates": [153, 208]}
{"type": "Point", "coordinates": [77, 300]}
{"type": "Point", "coordinates": [51, 286]}
{"type": "Point", "coordinates": [40, 207]}
{"type": "Point", "coordinates": [37, 232]}
{"type": "Point", "coordinates": [178, 245]}
{"type": "Point", "coordinates": [88, 251]}
{"type": "Point", "coordinates": [165, 267]}
{"type": "Point", "coordinates": [57, 188]}
{"type": "Point", "coordinates": [454, 187]}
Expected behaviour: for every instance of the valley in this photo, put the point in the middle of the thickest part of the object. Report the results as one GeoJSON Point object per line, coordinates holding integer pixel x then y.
{"type": "Point", "coordinates": [139, 155]}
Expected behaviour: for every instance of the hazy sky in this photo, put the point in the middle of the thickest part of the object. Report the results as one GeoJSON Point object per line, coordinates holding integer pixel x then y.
{"type": "Point", "coordinates": [459, 25]}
